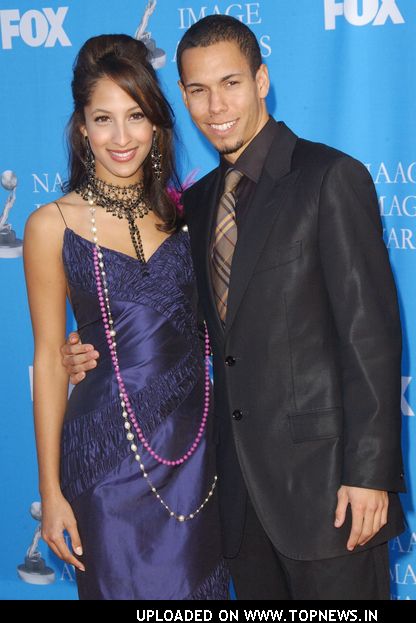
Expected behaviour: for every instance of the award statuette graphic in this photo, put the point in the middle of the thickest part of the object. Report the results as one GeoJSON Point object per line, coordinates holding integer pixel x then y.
{"type": "Point", "coordinates": [34, 569]}
{"type": "Point", "coordinates": [157, 57]}
{"type": "Point", "coordinates": [10, 246]}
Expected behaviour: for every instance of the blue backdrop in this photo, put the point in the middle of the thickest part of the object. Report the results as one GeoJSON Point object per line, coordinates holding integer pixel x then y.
{"type": "Point", "coordinates": [342, 73]}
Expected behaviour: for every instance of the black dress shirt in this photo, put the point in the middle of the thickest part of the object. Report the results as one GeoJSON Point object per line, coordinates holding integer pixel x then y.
{"type": "Point", "coordinates": [250, 164]}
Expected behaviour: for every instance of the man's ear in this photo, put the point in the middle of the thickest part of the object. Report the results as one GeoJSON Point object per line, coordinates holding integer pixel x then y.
{"type": "Point", "coordinates": [263, 81]}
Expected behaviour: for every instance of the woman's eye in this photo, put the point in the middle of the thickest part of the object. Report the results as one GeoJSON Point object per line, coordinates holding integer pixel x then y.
{"type": "Point", "coordinates": [101, 119]}
{"type": "Point", "coordinates": [137, 116]}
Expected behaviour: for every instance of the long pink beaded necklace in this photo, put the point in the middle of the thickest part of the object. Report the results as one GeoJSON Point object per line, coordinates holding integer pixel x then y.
{"type": "Point", "coordinates": [126, 408]}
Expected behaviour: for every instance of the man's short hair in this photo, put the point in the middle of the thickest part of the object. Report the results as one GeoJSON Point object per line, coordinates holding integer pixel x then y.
{"type": "Point", "coordinates": [215, 29]}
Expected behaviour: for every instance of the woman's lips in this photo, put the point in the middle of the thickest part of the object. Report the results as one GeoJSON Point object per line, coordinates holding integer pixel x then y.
{"type": "Point", "coordinates": [122, 156]}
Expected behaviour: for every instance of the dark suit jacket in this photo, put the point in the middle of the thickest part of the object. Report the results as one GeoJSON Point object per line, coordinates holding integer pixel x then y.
{"type": "Point", "coordinates": [307, 371]}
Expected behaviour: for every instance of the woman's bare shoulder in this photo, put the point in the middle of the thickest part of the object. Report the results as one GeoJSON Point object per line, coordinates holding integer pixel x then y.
{"type": "Point", "coordinates": [50, 214]}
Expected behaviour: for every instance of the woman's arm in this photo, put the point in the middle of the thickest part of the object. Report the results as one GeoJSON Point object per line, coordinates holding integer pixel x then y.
{"type": "Point", "coordinates": [46, 286]}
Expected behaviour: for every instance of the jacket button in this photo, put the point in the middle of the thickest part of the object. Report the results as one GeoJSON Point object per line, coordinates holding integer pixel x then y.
{"type": "Point", "coordinates": [230, 360]}
{"type": "Point", "coordinates": [237, 414]}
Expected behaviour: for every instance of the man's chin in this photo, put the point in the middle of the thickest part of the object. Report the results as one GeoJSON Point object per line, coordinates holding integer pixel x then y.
{"type": "Point", "coordinates": [226, 150]}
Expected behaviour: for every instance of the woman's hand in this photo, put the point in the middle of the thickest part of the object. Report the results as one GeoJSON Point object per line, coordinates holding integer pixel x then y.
{"type": "Point", "coordinates": [57, 516]}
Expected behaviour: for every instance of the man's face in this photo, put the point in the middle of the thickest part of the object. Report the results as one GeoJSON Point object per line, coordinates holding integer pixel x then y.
{"type": "Point", "coordinates": [224, 100]}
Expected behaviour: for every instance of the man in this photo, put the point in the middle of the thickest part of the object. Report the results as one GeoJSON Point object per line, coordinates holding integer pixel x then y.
{"type": "Point", "coordinates": [301, 307]}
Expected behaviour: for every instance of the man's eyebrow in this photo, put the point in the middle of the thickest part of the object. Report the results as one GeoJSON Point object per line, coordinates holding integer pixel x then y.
{"type": "Point", "coordinates": [224, 79]}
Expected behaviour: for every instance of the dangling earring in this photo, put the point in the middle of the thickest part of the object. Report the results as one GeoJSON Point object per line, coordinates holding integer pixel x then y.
{"type": "Point", "coordinates": [156, 158]}
{"type": "Point", "coordinates": [89, 160]}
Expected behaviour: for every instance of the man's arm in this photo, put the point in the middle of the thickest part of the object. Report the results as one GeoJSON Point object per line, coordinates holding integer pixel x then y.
{"type": "Point", "coordinates": [78, 358]}
{"type": "Point", "coordinates": [363, 299]}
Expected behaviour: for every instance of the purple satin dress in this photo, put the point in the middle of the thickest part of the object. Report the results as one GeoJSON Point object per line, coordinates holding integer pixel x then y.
{"type": "Point", "coordinates": [132, 548]}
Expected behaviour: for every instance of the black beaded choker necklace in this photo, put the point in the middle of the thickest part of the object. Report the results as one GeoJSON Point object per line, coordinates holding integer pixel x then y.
{"type": "Point", "coordinates": [122, 201]}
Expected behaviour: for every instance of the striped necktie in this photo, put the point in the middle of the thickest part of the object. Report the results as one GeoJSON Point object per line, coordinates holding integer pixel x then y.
{"type": "Point", "coordinates": [225, 240]}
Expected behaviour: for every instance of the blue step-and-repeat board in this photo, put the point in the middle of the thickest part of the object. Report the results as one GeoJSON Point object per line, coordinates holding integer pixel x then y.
{"type": "Point", "coordinates": [343, 73]}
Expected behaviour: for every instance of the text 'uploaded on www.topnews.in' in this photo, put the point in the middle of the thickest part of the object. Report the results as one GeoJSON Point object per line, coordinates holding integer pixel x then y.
{"type": "Point", "coordinates": [230, 615]}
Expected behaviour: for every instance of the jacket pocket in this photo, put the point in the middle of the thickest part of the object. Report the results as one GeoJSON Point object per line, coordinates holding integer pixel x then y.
{"type": "Point", "coordinates": [313, 425]}
{"type": "Point", "coordinates": [278, 256]}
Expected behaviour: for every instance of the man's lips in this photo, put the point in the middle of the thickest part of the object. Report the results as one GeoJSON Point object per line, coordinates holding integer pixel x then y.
{"type": "Point", "coordinates": [122, 155]}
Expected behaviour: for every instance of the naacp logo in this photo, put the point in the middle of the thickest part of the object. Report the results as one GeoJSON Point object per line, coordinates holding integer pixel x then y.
{"type": "Point", "coordinates": [34, 28]}
{"type": "Point", "coordinates": [34, 569]}
{"type": "Point", "coordinates": [362, 12]}
{"type": "Point", "coordinates": [10, 246]}
{"type": "Point", "coordinates": [157, 57]}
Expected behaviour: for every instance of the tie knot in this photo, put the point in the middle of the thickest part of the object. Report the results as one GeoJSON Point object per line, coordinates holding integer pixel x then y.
{"type": "Point", "coordinates": [232, 177]}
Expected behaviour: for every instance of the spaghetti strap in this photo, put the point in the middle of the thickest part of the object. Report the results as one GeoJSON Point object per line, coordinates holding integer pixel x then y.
{"type": "Point", "coordinates": [60, 211]}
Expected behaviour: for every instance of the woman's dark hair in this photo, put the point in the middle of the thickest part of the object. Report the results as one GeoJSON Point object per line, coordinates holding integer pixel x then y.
{"type": "Point", "coordinates": [216, 29]}
{"type": "Point", "coordinates": [125, 61]}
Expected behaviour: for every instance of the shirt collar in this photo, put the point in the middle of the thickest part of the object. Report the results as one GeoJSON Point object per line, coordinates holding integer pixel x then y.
{"type": "Point", "coordinates": [251, 161]}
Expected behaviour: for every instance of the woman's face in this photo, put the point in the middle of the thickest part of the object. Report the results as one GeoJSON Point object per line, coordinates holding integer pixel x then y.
{"type": "Point", "coordinates": [119, 134]}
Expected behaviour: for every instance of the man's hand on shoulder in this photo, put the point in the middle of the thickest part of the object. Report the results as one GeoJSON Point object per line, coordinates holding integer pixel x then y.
{"type": "Point", "coordinates": [78, 358]}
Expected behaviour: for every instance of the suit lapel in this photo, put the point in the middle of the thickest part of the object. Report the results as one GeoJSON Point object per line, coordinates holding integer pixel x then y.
{"type": "Point", "coordinates": [201, 230]}
{"type": "Point", "coordinates": [269, 199]}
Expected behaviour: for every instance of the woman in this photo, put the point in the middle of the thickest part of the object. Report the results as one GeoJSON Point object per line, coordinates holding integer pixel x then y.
{"type": "Point", "coordinates": [126, 465]}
